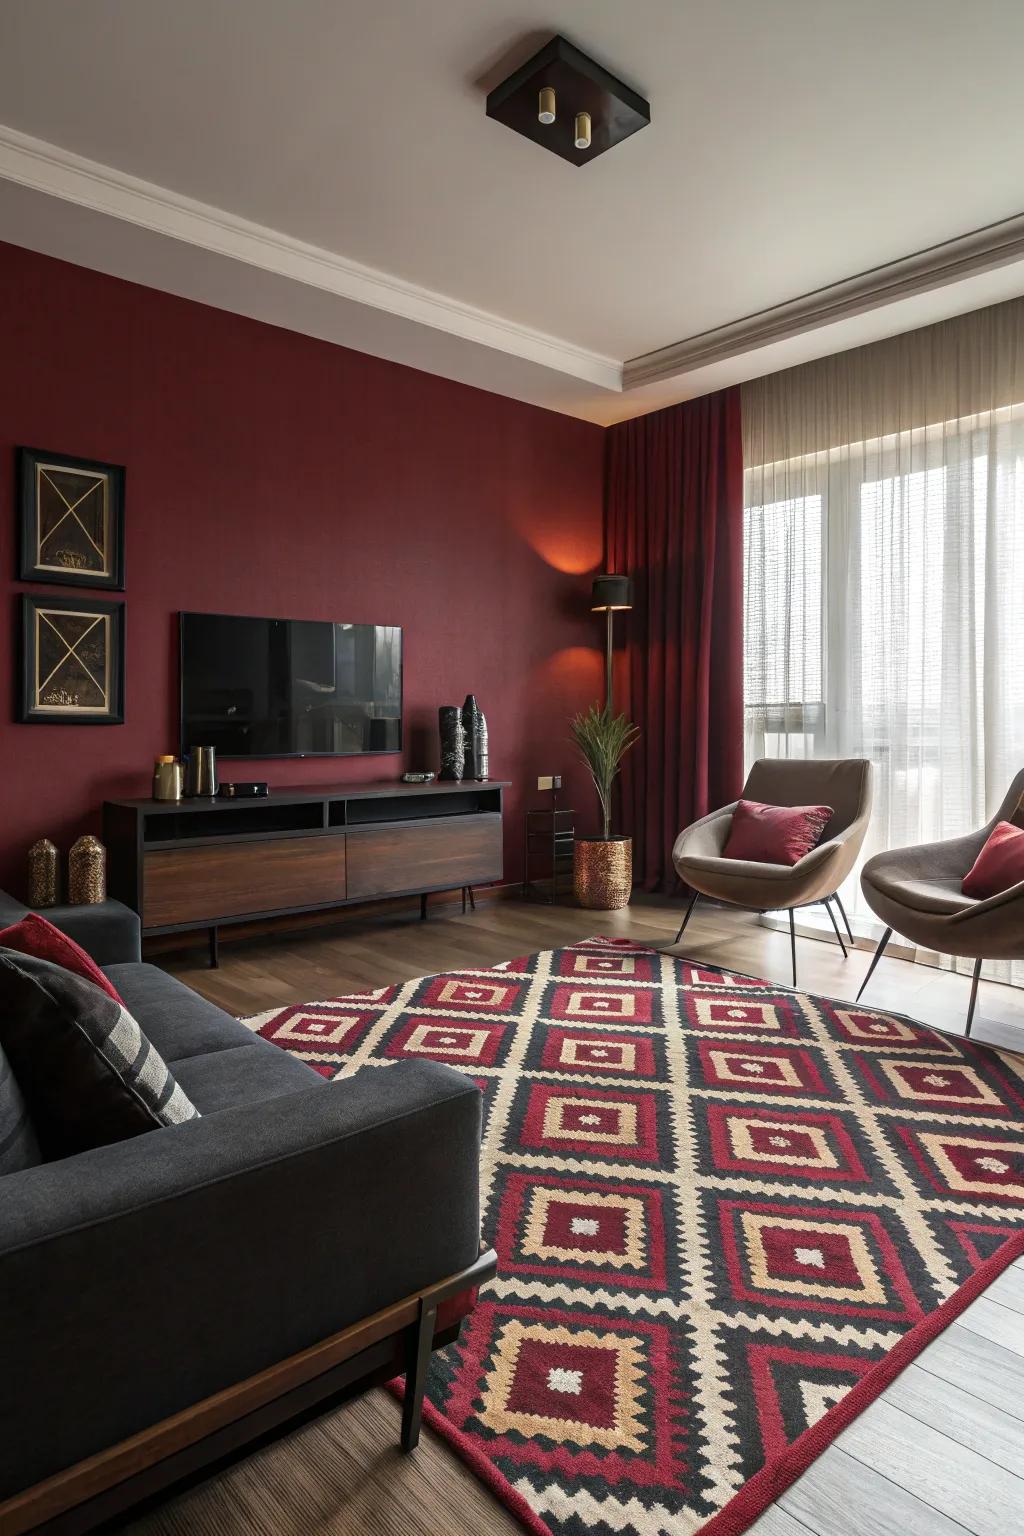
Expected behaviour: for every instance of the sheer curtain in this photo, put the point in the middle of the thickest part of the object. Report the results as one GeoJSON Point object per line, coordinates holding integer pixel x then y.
{"type": "Point", "coordinates": [884, 573]}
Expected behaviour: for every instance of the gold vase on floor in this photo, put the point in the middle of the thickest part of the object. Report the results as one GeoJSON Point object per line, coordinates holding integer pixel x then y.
{"type": "Point", "coordinates": [602, 870]}
{"type": "Point", "coordinates": [87, 872]}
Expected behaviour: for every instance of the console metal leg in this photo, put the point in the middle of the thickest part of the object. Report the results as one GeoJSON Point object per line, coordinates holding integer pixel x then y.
{"type": "Point", "coordinates": [472, 898]}
{"type": "Point", "coordinates": [693, 902]}
{"type": "Point", "coordinates": [214, 949]}
{"type": "Point", "coordinates": [974, 997]}
{"type": "Point", "coordinates": [835, 925]}
{"type": "Point", "coordinates": [463, 901]}
{"type": "Point", "coordinates": [883, 941]}
{"type": "Point", "coordinates": [418, 1340]}
{"type": "Point", "coordinates": [792, 940]}
{"type": "Point", "coordinates": [423, 907]}
{"type": "Point", "coordinates": [839, 903]}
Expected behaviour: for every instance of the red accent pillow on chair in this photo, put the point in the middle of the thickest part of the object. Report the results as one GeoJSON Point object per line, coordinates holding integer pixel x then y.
{"type": "Point", "coordinates": [33, 935]}
{"type": "Point", "coordinates": [1000, 863]}
{"type": "Point", "coordinates": [775, 834]}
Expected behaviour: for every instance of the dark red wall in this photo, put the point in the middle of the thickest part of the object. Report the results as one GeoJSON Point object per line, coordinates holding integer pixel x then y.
{"type": "Point", "coordinates": [268, 473]}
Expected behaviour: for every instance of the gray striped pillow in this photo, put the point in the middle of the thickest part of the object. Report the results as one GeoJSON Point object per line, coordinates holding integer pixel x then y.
{"type": "Point", "coordinates": [19, 1147]}
{"type": "Point", "coordinates": [87, 1072]}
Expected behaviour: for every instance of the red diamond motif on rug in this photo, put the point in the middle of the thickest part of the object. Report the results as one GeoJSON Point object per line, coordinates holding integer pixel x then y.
{"type": "Point", "coordinates": [781, 1068]}
{"type": "Point", "coordinates": [777, 1143]}
{"type": "Point", "coordinates": [726, 1214]}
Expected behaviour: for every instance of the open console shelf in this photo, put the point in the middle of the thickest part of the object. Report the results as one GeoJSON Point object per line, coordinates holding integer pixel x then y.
{"type": "Point", "coordinates": [200, 863]}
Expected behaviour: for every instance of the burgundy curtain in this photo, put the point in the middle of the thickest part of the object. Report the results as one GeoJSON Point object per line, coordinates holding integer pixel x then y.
{"type": "Point", "coordinates": [675, 525]}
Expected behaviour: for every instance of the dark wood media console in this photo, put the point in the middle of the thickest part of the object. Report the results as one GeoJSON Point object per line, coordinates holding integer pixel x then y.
{"type": "Point", "coordinates": [202, 863]}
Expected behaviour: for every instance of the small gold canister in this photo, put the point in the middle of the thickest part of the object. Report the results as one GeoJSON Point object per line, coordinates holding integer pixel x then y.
{"type": "Point", "coordinates": [43, 874]}
{"type": "Point", "coordinates": [168, 779]}
{"type": "Point", "coordinates": [87, 872]}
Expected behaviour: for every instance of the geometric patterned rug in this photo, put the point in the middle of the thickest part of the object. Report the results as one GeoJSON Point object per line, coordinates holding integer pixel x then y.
{"type": "Point", "coordinates": [726, 1214]}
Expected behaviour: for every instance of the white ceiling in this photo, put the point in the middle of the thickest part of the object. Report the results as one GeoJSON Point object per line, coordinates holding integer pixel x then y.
{"type": "Point", "coordinates": [793, 144]}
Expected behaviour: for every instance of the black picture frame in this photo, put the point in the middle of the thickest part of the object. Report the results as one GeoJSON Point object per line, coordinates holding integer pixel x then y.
{"type": "Point", "coordinates": [91, 552]}
{"type": "Point", "coordinates": [98, 672]}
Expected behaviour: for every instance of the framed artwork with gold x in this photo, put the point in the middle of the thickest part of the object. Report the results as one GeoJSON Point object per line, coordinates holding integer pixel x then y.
{"type": "Point", "coordinates": [72, 661]}
{"type": "Point", "coordinates": [72, 519]}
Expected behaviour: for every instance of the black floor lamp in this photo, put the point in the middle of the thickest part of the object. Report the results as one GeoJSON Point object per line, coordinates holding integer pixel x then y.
{"type": "Point", "coordinates": [610, 595]}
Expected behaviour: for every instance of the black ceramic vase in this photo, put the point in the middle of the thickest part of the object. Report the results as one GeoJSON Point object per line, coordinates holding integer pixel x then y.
{"type": "Point", "coordinates": [453, 742]}
{"type": "Point", "coordinates": [474, 726]}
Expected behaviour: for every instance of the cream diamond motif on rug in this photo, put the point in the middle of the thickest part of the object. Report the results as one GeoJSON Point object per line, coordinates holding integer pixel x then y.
{"type": "Point", "coordinates": [565, 1381]}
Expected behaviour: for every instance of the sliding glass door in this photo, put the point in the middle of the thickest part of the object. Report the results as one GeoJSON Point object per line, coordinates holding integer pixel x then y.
{"type": "Point", "coordinates": [884, 618]}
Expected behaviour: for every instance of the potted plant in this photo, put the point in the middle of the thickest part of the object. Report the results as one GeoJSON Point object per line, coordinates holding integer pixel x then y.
{"type": "Point", "coordinates": [603, 866]}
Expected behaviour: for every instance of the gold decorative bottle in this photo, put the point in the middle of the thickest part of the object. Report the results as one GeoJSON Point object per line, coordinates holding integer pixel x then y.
{"type": "Point", "coordinates": [43, 874]}
{"type": "Point", "coordinates": [87, 872]}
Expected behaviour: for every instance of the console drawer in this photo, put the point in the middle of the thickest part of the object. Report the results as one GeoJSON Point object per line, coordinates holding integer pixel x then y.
{"type": "Point", "coordinates": [423, 856]}
{"type": "Point", "coordinates": [202, 885]}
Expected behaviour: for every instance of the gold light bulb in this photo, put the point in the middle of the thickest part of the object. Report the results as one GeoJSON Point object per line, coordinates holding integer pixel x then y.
{"type": "Point", "coordinates": [546, 105]}
{"type": "Point", "coordinates": [581, 132]}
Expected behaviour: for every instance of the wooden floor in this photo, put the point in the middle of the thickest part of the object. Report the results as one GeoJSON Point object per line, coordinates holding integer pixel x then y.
{"type": "Point", "coordinates": [939, 1454]}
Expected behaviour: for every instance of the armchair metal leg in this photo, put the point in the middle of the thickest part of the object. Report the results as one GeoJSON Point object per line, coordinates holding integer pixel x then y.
{"type": "Point", "coordinates": [419, 1338]}
{"type": "Point", "coordinates": [693, 902]}
{"type": "Point", "coordinates": [883, 941]}
{"type": "Point", "coordinates": [839, 903]}
{"type": "Point", "coordinates": [792, 940]}
{"type": "Point", "coordinates": [974, 998]}
{"type": "Point", "coordinates": [835, 925]}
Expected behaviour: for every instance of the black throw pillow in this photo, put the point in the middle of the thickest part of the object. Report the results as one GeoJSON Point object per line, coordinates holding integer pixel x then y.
{"type": "Point", "coordinates": [87, 1072]}
{"type": "Point", "coordinates": [19, 1147]}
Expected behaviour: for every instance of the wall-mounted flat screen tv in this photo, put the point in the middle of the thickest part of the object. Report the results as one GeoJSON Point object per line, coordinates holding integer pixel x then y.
{"type": "Point", "coordinates": [289, 687]}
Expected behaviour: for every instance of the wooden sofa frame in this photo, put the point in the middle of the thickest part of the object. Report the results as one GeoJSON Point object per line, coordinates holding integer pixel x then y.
{"type": "Point", "coordinates": [397, 1340]}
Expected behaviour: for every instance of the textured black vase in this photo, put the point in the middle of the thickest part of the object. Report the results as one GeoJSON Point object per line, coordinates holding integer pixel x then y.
{"type": "Point", "coordinates": [474, 726]}
{"type": "Point", "coordinates": [453, 742]}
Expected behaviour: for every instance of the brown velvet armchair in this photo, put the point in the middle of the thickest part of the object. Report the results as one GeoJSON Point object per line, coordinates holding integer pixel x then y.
{"type": "Point", "coordinates": [917, 892]}
{"type": "Point", "coordinates": [844, 784]}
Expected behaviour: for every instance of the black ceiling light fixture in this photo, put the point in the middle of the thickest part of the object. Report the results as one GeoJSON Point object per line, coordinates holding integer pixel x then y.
{"type": "Point", "coordinates": [564, 101]}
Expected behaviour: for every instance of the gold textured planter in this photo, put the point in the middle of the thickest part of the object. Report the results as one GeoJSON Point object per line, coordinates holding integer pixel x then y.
{"type": "Point", "coordinates": [602, 872]}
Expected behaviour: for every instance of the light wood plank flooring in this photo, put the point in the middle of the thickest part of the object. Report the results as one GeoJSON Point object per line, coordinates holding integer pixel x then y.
{"type": "Point", "coordinates": [940, 1454]}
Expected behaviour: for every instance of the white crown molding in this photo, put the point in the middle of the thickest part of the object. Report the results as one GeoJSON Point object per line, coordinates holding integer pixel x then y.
{"type": "Point", "coordinates": [57, 172]}
{"type": "Point", "coordinates": [984, 250]}
{"type": "Point", "coordinates": [596, 387]}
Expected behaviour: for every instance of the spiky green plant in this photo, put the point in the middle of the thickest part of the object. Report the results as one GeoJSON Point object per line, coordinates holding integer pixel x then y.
{"type": "Point", "coordinates": [603, 739]}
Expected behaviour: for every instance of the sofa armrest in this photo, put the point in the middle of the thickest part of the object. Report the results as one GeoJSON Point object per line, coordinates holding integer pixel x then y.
{"type": "Point", "coordinates": [140, 1277]}
{"type": "Point", "coordinates": [108, 930]}
{"type": "Point", "coordinates": [11, 911]}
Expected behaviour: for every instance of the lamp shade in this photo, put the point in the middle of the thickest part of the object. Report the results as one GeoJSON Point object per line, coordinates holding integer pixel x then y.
{"type": "Point", "coordinates": [611, 592]}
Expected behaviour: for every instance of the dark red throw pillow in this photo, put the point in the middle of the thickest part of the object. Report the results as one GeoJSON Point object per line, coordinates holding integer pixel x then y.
{"type": "Point", "coordinates": [1000, 863]}
{"type": "Point", "coordinates": [33, 935]}
{"type": "Point", "coordinates": [775, 834]}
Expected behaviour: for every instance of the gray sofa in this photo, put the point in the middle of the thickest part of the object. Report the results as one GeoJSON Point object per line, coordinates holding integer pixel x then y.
{"type": "Point", "coordinates": [139, 1278]}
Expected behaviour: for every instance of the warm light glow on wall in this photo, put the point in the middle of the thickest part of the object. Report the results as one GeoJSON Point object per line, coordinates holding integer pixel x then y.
{"type": "Point", "coordinates": [575, 674]}
{"type": "Point", "coordinates": [570, 539]}
{"type": "Point", "coordinates": [573, 556]}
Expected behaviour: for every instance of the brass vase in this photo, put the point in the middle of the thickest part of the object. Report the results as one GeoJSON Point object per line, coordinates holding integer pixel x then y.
{"type": "Point", "coordinates": [602, 872]}
{"type": "Point", "coordinates": [87, 872]}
